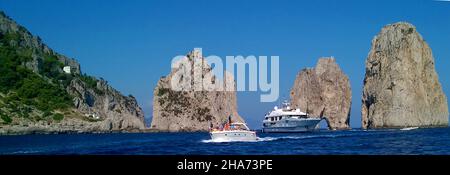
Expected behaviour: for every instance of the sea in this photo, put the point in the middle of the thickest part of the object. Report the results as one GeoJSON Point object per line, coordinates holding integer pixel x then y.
{"type": "Point", "coordinates": [323, 142]}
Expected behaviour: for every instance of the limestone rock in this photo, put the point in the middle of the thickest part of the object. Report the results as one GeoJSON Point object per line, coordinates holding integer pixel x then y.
{"type": "Point", "coordinates": [115, 111]}
{"type": "Point", "coordinates": [401, 86]}
{"type": "Point", "coordinates": [39, 48]}
{"type": "Point", "coordinates": [324, 91]}
{"type": "Point", "coordinates": [182, 108]}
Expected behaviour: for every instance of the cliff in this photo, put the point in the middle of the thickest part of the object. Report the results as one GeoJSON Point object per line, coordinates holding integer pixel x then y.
{"type": "Point", "coordinates": [190, 110]}
{"type": "Point", "coordinates": [401, 86]}
{"type": "Point", "coordinates": [42, 91]}
{"type": "Point", "coordinates": [324, 91]}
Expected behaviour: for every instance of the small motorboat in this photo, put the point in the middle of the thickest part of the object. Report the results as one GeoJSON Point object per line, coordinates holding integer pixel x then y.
{"type": "Point", "coordinates": [232, 132]}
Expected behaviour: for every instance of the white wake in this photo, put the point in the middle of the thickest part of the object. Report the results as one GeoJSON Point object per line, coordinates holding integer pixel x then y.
{"type": "Point", "coordinates": [409, 129]}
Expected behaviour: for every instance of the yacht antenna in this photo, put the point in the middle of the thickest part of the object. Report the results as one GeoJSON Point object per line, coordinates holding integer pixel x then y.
{"type": "Point", "coordinates": [279, 101]}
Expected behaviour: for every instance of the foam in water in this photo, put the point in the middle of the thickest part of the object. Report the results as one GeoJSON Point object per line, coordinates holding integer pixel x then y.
{"type": "Point", "coordinates": [409, 129]}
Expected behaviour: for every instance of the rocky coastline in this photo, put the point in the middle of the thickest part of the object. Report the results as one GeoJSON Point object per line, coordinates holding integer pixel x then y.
{"type": "Point", "coordinates": [50, 94]}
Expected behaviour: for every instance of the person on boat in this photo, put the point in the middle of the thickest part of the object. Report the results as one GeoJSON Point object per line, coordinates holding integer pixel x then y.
{"type": "Point", "coordinates": [229, 126]}
{"type": "Point", "coordinates": [226, 127]}
{"type": "Point", "coordinates": [211, 127]}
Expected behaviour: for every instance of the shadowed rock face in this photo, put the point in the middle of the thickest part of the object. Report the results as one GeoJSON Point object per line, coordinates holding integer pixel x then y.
{"type": "Point", "coordinates": [324, 90]}
{"type": "Point", "coordinates": [190, 110]}
{"type": "Point", "coordinates": [118, 112]}
{"type": "Point", "coordinates": [401, 86]}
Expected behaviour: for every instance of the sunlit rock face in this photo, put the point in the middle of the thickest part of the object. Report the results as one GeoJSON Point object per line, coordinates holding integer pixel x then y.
{"type": "Point", "coordinates": [178, 106]}
{"type": "Point", "coordinates": [401, 86]}
{"type": "Point", "coordinates": [324, 91]}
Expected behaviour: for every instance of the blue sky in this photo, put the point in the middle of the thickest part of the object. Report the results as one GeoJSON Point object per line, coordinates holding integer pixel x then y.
{"type": "Point", "coordinates": [131, 43]}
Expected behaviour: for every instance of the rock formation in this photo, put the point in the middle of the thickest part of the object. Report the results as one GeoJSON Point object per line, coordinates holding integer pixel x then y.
{"type": "Point", "coordinates": [96, 106]}
{"type": "Point", "coordinates": [27, 40]}
{"type": "Point", "coordinates": [116, 111]}
{"type": "Point", "coordinates": [401, 86]}
{"type": "Point", "coordinates": [324, 91]}
{"type": "Point", "coordinates": [183, 108]}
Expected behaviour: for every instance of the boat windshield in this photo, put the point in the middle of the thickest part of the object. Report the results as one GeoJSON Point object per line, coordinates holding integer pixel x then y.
{"type": "Point", "coordinates": [230, 127]}
{"type": "Point", "coordinates": [238, 126]}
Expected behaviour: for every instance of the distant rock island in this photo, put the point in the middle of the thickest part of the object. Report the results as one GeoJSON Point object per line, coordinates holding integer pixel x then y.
{"type": "Point", "coordinates": [324, 91]}
{"type": "Point", "coordinates": [42, 91]}
{"type": "Point", "coordinates": [401, 86]}
{"type": "Point", "coordinates": [189, 110]}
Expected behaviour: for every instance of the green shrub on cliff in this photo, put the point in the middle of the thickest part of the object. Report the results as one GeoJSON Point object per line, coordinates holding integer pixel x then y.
{"type": "Point", "coordinates": [91, 83]}
{"type": "Point", "coordinates": [6, 119]}
{"type": "Point", "coordinates": [20, 84]}
{"type": "Point", "coordinates": [58, 117]}
{"type": "Point", "coordinates": [51, 67]}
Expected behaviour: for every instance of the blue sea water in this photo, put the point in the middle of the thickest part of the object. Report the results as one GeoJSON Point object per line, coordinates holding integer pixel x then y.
{"type": "Point", "coordinates": [353, 142]}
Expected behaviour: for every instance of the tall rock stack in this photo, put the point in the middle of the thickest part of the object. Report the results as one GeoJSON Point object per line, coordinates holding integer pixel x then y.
{"type": "Point", "coordinates": [401, 86]}
{"type": "Point", "coordinates": [183, 108]}
{"type": "Point", "coordinates": [324, 91]}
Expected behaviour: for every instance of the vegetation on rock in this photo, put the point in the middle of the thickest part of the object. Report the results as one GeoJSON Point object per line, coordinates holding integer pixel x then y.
{"type": "Point", "coordinates": [20, 84]}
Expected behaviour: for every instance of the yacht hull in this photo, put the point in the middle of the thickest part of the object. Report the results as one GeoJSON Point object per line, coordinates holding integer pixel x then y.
{"type": "Point", "coordinates": [233, 136]}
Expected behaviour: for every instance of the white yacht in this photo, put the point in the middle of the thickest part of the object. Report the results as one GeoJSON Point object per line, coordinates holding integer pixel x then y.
{"type": "Point", "coordinates": [288, 120]}
{"type": "Point", "coordinates": [233, 132]}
